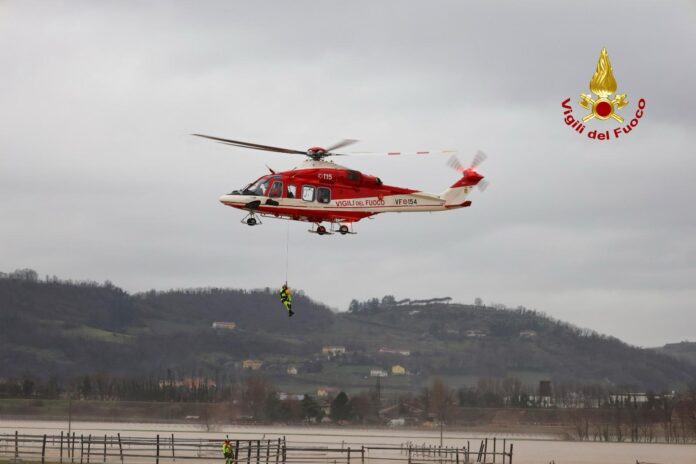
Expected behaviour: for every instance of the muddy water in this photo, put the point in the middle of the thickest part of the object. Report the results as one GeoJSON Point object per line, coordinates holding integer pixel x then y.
{"type": "Point", "coordinates": [528, 448]}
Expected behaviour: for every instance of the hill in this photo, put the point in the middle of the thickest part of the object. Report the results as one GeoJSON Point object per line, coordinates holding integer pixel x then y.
{"type": "Point", "coordinates": [55, 328]}
{"type": "Point", "coordinates": [685, 351]}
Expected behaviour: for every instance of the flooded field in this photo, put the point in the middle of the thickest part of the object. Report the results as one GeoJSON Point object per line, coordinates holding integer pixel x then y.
{"type": "Point", "coordinates": [528, 448]}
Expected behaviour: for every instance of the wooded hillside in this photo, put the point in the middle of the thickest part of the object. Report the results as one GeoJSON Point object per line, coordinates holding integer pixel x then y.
{"type": "Point", "coordinates": [55, 328]}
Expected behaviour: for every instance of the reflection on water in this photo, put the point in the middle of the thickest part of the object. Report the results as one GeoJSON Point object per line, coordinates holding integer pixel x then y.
{"type": "Point", "coordinates": [529, 449]}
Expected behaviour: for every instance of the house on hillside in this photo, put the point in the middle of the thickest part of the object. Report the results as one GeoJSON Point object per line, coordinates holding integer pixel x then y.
{"type": "Point", "coordinates": [253, 364]}
{"type": "Point", "coordinates": [333, 350]}
{"type": "Point", "coordinates": [378, 373]}
{"type": "Point", "coordinates": [474, 333]}
{"type": "Point", "coordinates": [398, 370]}
{"type": "Point", "coordinates": [323, 392]}
{"type": "Point", "coordinates": [291, 370]}
{"type": "Point", "coordinates": [224, 325]}
{"type": "Point", "coordinates": [394, 351]}
{"type": "Point", "coordinates": [528, 334]}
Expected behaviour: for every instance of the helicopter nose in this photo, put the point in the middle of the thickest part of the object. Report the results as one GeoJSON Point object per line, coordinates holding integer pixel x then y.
{"type": "Point", "coordinates": [226, 199]}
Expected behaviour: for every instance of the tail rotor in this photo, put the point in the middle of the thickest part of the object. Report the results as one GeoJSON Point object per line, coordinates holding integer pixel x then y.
{"type": "Point", "coordinates": [479, 158]}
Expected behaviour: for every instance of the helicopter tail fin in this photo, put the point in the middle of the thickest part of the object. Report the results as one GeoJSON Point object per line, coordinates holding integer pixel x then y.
{"type": "Point", "coordinates": [455, 195]}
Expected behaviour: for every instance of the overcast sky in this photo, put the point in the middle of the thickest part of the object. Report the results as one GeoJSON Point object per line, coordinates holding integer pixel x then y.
{"type": "Point", "coordinates": [99, 178]}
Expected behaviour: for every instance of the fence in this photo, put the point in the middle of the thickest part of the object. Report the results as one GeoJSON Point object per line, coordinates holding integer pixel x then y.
{"type": "Point", "coordinates": [95, 449]}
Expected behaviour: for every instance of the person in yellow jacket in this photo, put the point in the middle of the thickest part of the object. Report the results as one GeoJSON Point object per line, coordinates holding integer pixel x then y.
{"type": "Point", "coordinates": [227, 451]}
{"type": "Point", "coordinates": [286, 298]}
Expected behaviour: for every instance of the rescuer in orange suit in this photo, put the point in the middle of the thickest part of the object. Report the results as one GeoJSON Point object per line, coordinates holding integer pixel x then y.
{"type": "Point", "coordinates": [286, 298]}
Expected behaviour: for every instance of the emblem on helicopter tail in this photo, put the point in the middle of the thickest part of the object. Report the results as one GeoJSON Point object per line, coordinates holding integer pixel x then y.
{"type": "Point", "coordinates": [601, 105]}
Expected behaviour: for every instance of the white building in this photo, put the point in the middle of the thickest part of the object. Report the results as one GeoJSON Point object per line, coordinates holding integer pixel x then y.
{"type": "Point", "coordinates": [394, 351]}
{"type": "Point", "coordinates": [333, 350]}
{"type": "Point", "coordinates": [224, 325]}
{"type": "Point", "coordinates": [475, 334]}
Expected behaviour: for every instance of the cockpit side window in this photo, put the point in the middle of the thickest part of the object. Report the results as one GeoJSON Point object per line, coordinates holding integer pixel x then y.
{"type": "Point", "coordinates": [276, 189]}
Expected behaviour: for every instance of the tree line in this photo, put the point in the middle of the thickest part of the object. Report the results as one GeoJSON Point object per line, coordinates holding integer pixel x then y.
{"type": "Point", "coordinates": [663, 417]}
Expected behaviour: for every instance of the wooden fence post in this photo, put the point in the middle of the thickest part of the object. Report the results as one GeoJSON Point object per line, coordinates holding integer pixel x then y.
{"type": "Point", "coordinates": [120, 446]}
{"type": "Point", "coordinates": [494, 448]}
{"type": "Point", "coordinates": [89, 446]}
{"type": "Point", "coordinates": [249, 453]}
{"type": "Point", "coordinates": [82, 447]}
{"type": "Point", "coordinates": [157, 459]}
{"type": "Point", "coordinates": [61, 447]}
{"type": "Point", "coordinates": [362, 454]}
{"type": "Point", "coordinates": [236, 451]}
{"type": "Point", "coordinates": [268, 450]}
{"type": "Point", "coordinates": [510, 461]}
{"type": "Point", "coordinates": [43, 450]}
{"type": "Point", "coordinates": [349, 455]}
{"type": "Point", "coordinates": [258, 451]}
{"type": "Point", "coordinates": [278, 452]}
{"type": "Point", "coordinates": [504, 448]}
{"type": "Point", "coordinates": [409, 454]}
{"type": "Point", "coordinates": [72, 450]}
{"type": "Point", "coordinates": [104, 458]}
{"type": "Point", "coordinates": [16, 444]}
{"type": "Point", "coordinates": [173, 455]}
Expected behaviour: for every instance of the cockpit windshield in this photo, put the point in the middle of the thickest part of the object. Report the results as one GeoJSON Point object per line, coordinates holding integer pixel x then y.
{"type": "Point", "coordinates": [260, 187]}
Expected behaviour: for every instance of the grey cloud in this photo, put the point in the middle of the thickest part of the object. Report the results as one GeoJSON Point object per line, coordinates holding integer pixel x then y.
{"type": "Point", "coordinates": [99, 178]}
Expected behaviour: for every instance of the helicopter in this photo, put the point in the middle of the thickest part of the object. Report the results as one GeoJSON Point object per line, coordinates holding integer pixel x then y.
{"type": "Point", "coordinates": [321, 191]}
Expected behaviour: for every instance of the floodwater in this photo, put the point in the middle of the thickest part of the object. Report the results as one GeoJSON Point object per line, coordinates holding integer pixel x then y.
{"type": "Point", "coordinates": [528, 448]}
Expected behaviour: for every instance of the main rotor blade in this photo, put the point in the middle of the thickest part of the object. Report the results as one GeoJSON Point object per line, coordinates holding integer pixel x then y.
{"type": "Point", "coordinates": [254, 146]}
{"type": "Point", "coordinates": [455, 164]}
{"type": "Point", "coordinates": [479, 158]}
{"type": "Point", "coordinates": [404, 153]}
{"type": "Point", "coordinates": [341, 144]}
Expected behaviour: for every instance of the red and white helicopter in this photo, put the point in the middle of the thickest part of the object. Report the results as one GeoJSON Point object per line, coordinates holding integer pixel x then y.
{"type": "Point", "coordinates": [320, 191]}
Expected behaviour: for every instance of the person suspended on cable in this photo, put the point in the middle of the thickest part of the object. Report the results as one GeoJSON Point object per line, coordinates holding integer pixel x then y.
{"type": "Point", "coordinates": [286, 298]}
{"type": "Point", "coordinates": [227, 451]}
